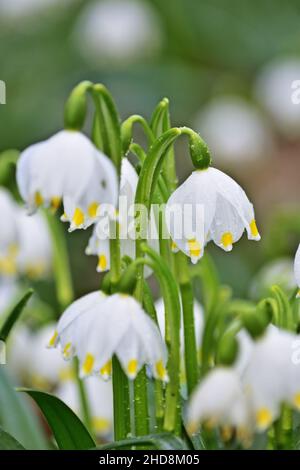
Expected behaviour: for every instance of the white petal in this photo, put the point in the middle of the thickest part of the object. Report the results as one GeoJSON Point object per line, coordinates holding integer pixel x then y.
{"type": "Point", "coordinates": [227, 226]}
{"type": "Point", "coordinates": [297, 267]}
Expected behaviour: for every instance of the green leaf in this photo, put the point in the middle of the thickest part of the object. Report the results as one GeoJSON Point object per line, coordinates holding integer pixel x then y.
{"type": "Point", "coordinates": [17, 416]}
{"type": "Point", "coordinates": [14, 315]}
{"type": "Point", "coordinates": [164, 441]}
{"type": "Point", "coordinates": [68, 430]}
{"type": "Point", "coordinates": [8, 442]}
{"type": "Point", "coordinates": [285, 312]}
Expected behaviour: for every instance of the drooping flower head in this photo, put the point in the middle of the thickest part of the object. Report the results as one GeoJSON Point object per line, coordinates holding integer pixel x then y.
{"type": "Point", "coordinates": [97, 326]}
{"type": "Point", "coordinates": [219, 208]}
{"type": "Point", "coordinates": [67, 167]}
{"type": "Point", "coordinates": [219, 401]}
{"type": "Point", "coordinates": [272, 378]}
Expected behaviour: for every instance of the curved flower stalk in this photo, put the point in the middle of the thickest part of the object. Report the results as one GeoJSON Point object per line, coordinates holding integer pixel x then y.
{"type": "Point", "coordinates": [67, 167]}
{"type": "Point", "coordinates": [100, 398]}
{"type": "Point", "coordinates": [97, 326]}
{"type": "Point", "coordinates": [219, 401]}
{"type": "Point", "coordinates": [34, 257]}
{"type": "Point", "coordinates": [9, 235]}
{"type": "Point", "coordinates": [220, 211]}
{"type": "Point", "coordinates": [272, 376]}
{"type": "Point", "coordinates": [297, 269]}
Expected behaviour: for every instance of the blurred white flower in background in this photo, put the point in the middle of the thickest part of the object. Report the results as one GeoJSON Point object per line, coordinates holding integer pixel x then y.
{"type": "Point", "coordinates": [234, 130]}
{"type": "Point", "coordinates": [100, 398]}
{"type": "Point", "coordinates": [117, 30]}
{"type": "Point", "coordinates": [35, 254]}
{"type": "Point", "coordinates": [276, 272]}
{"type": "Point", "coordinates": [9, 235]}
{"type": "Point", "coordinates": [198, 322]}
{"type": "Point", "coordinates": [30, 361]}
{"type": "Point", "coordinates": [274, 91]}
{"type": "Point", "coordinates": [21, 8]}
{"type": "Point", "coordinates": [8, 291]}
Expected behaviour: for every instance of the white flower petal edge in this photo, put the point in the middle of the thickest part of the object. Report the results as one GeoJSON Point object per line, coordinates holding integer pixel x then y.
{"type": "Point", "coordinates": [67, 166]}
{"type": "Point", "coordinates": [209, 205]}
{"type": "Point", "coordinates": [97, 326]}
{"type": "Point", "coordinates": [272, 377]}
{"type": "Point", "coordinates": [219, 401]}
{"type": "Point", "coordinates": [297, 269]}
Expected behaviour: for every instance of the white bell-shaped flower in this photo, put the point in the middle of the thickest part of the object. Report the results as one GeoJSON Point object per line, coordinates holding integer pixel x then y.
{"type": "Point", "coordinates": [219, 401]}
{"type": "Point", "coordinates": [209, 205]}
{"type": "Point", "coordinates": [100, 397]}
{"type": "Point", "coordinates": [97, 326]}
{"type": "Point", "coordinates": [67, 166]}
{"type": "Point", "coordinates": [297, 269]}
{"type": "Point", "coordinates": [9, 235]}
{"type": "Point", "coordinates": [35, 253]}
{"type": "Point", "coordinates": [272, 377]}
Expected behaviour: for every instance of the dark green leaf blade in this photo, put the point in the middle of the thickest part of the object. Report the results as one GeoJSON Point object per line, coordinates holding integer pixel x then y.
{"type": "Point", "coordinates": [68, 430]}
{"type": "Point", "coordinates": [14, 315]}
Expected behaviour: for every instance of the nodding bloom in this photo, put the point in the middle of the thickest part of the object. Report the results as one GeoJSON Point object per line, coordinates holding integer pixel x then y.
{"type": "Point", "coordinates": [100, 397]}
{"type": "Point", "coordinates": [219, 401]}
{"type": "Point", "coordinates": [297, 269]}
{"type": "Point", "coordinates": [9, 235]}
{"type": "Point", "coordinates": [67, 167]}
{"type": "Point", "coordinates": [209, 205]}
{"type": "Point", "coordinates": [97, 326]}
{"type": "Point", "coordinates": [272, 376]}
{"type": "Point", "coordinates": [35, 253]}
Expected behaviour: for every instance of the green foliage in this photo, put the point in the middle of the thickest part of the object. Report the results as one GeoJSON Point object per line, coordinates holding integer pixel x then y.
{"type": "Point", "coordinates": [17, 417]}
{"type": "Point", "coordinates": [8, 442]}
{"type": "Point", "coordinates": [68, 430]}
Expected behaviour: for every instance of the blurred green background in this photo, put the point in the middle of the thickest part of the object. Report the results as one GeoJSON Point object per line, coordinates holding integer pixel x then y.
{"type": "Point", "coordinates": [200, 54]}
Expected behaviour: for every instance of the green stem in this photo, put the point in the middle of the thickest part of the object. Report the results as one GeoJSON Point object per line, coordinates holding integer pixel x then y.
{"type": "Point", "coordinates": [109, 124]}
{"type": "Point", "coordinates": [127, 131]}
{"type": "Point", "coordinates": [61, 266]}
{"type": "Point", "coordinates": [121, 401]}
{"type": "Point", "coordinates": [65, 295]}
{"type": "Point", "coordinates": [120, 381]}
{"type": "Point", "coordinates": [187, 300]}
{"type": "Point", "coordinates": [84, 404]}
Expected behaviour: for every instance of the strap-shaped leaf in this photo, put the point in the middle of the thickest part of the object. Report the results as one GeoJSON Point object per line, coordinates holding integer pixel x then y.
{"type": "Point", "coordinates": [17, 416]}
{"type": "Point", "coordinates": [14, 315]}
{"type": "Point", "coordinates": [8, 442]}
{"type": "Point", "coordinates": [68, 430]}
